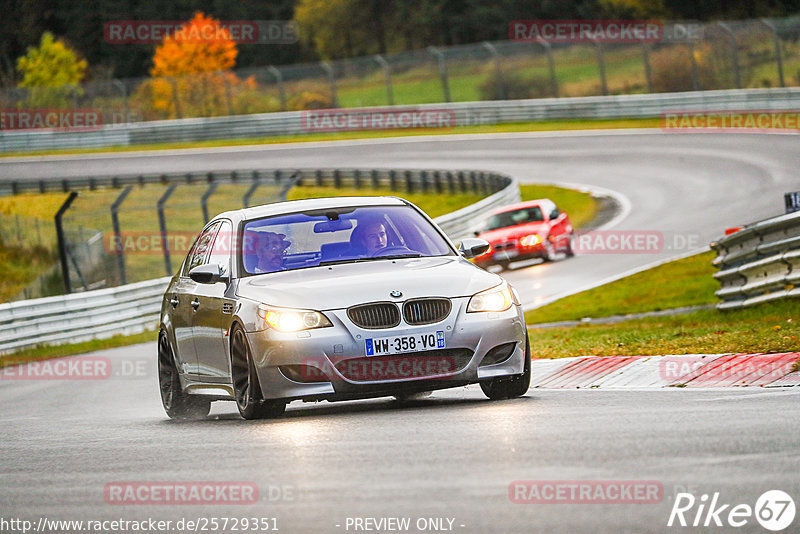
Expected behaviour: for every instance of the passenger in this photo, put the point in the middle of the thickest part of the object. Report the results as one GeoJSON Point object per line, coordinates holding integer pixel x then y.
{"type": "Point", "coordinates": [270, 249]}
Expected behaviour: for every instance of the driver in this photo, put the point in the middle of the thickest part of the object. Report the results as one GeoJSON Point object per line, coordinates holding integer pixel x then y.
{"type": "Point", "coordinates": [373, 238]}
{"type": "Point", "coordinates": [270, 249]}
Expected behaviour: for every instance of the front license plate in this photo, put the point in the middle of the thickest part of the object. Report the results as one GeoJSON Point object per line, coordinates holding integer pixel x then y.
{"type": "Point", "coordinates": [505, 254]}
{"type": "Point", "coordinates": [380, 346]}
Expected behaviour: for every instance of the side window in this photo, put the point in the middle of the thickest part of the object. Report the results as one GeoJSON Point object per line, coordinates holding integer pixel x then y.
{"type": "Point", "coordinates": [199, 251]}
{"type": "Point", "coordinates": [221, 250]}
{"type": "Point", "coordinates": [555, 213]}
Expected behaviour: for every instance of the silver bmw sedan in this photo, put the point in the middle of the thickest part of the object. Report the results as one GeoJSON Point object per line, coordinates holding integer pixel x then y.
{"type": "Point", "coordinates": [334, 299]}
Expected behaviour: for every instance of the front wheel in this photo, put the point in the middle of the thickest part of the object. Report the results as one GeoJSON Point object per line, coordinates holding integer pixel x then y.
{"type": "Point", "coordinates": [570, 250]}
{"type": "Point", "coordinates": [177, 403]}
{"type": "Point", "coordinates": [510, 387]}
{"type": "Point", "coordinates": [245, 382]}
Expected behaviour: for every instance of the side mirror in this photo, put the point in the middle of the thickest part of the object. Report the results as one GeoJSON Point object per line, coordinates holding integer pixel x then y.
{"type": "Point", "coordinates": [472, 247]}
{"type": "Point", "coordinates": [209, 273]}
{"type": "Point", "coordinates": [476, 233]}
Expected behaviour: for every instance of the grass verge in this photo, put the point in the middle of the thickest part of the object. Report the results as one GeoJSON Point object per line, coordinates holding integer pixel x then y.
{"type": "Point", "coordinates": [539, 126]}
{"type": "Point", "coordinates": [770, 327]}
{"type": "Point", "coordinates": [685, 282]}
{"type": "Point", "coordinates": [72, 349]}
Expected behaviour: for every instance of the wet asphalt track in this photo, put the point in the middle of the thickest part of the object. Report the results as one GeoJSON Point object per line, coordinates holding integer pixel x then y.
{"type": "Point", "coordinates": [455, 454]}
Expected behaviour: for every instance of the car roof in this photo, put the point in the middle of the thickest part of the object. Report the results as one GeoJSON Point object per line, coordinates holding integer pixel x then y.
{"type": "Point", "coordinates": [292, 206]}
{"type": "Point", "coordinates": [543, 203]}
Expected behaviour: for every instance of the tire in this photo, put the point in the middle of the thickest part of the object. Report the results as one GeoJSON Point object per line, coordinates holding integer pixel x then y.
{"type": "Point", "coordinates": [510, 387]}
{"type": "Point", "coordinates": [245, 382]}
{"type": "Point", "coordinates": [569, 251]}
{"type": "Point", "coordinates": [503, 265]}
{"type": "Point", "coordinates": [177, 403]}
{"type": "Point", "coordinates": [549, 250]}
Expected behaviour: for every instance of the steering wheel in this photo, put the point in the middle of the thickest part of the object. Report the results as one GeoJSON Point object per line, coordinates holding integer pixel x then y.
{"type": "Point", "coordinates": [391, 250]}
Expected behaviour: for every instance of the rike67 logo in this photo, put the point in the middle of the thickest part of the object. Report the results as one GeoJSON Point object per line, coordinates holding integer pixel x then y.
{"type": "Point", "coordinates": [774, 510]}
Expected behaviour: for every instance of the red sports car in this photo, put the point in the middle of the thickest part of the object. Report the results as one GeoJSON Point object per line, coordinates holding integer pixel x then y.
{"type": "Point", "coordinates": [534, 229]}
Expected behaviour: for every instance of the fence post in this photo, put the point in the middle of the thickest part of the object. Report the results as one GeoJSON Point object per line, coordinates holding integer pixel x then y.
{"type": "Point", "coordinates": [442, 71]}
{"type": "Point", "coordinates": [648, 72]}
{"type": "Point", "coordinates": [279, 80]}
{"type": "Point", "coordinates": [778, 49]}
{"type": "Point", "coordinates": [204, 200]}
{"type": "Point", "coordinates": [498, 69]}
{"type": "Point", "coordinates": [693, 63]}
{"type": "Point", "coordinates": [601, 64]}
{"type": "Point", "coordinates": [252, 189]}
{"type": "Point", "coordinates": [331, 82]}
{"type": "Point", "coordinates": [551, 65]}
{"type": "Point", "coordinates": [162, 226]}
{"type": "Point", "coordinates": [176, 99]}
{"type": "Point", "coordinates": [117, 234]}
{"type": "Point", "coordinates": [62, 242]}
{"type": "Point", "coordinates": [387, 75]}
{"type": "Point", "coordinates": [734, 52]}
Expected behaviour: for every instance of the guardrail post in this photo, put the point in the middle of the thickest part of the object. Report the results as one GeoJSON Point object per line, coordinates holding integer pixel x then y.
{"type": "Point", "coordinates": [279, 80]}
{"type": "Point", "coordinates": [442, 71]}
{"type": "Point", "coordinates": [392, 180]}
{"type": "Point", "coordinates": [374, 179]}
{"type": "Point", "coordinates": [551, 65]}
{"type": "Point", "coordinates": [387, 76]}
{"type": "Point", "coordinates": [162, 226]}
{"type": "Point", "coordinates": [409, 183]}
{"type": "Point", "coordinates": [474, 180]}
{"type": "Point", "coordinates": [734, 52]}
{"type": "Point", "coordinates": [601, 64]}
{"type": "Point", "coordinates": [357, 179]}
{"type": "Point", "coordinates": [318, 177]}
{"type": "Point", "coordinates": [118, 235]}
{"type": "Point", "coordinates": [648, 71]}
{"type": "Point", "coordinates": [437, 182]}
{"type": "Point", "coordinates": [498, 69]}
{"type": "Point", "coordinates": [462, 182]}
{"type": "Point", "coordinates": [423, 181]}
{"type": "Point", "coordinates": [778, 48]}
{"type": "Point", "coordinates": [451, 186]}
{"type": "Point", "coordinates": [62, 242]}
{"type": "Point", "coordinates": [204, 200]}
{"type": "Point", "coordinates": [331, 82]}
{"type": "Point", "coordinates": [252, 189]}
{"type": "Point", "coordinates": [337, 179]}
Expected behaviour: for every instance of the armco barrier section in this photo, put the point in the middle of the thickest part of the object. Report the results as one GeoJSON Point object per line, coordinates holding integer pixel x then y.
{"type": "Point", "coordinates": [759, 263]}
{"type": "Point", "coordinates": [135, 307]}
{"type": "Point", "coordinates": [462, 113]}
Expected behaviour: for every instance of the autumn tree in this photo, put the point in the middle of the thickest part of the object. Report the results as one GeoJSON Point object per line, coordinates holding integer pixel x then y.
{"type": "Point", "coordinates": [191, 71]}
{"type": "Point", "coordinates": [51, 72]}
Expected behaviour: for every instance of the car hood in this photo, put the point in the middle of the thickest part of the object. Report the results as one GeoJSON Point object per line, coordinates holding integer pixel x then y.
{"type": "Point", "coordinates": [344, 285]}
{"type": "Point", "coordinates": [514, 232]}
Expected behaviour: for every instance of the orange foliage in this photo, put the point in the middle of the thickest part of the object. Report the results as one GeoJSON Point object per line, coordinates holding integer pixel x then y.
{"type": "Point", "coordinates": [201, 45]}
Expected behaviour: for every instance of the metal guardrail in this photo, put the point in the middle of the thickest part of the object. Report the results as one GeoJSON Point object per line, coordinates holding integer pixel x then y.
{"type": "Point", "coordinates": [462, 113]}
{"type": "Point", "coordinates": [759, 263]}
{"type": "Point", "coordinates": [135, 307]}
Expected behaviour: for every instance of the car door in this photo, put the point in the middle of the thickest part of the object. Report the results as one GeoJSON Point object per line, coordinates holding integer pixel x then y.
{"type": "Point", "coordinates": [212, 313]}
{"type": "Point", "coordinates": [181, 299]}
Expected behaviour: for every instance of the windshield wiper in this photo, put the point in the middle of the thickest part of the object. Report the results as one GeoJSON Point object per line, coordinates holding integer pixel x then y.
{"type": "Point", "coordinates": [358, 260]}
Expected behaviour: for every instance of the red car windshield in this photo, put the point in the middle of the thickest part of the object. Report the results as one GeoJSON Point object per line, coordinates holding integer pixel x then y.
{"type": "Point", "coordinates": [515, 217]}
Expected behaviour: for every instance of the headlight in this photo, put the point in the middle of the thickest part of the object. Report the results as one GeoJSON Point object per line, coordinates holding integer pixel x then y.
{"type": "Point", "coordinates": [290, 320]}
{"type": "Point", "coordinates": [496, 299]}
{"type": "Point", "coordinates": [530, 240]}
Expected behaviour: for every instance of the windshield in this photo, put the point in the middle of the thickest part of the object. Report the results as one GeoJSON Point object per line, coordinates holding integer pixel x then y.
{"type": "Point", "coordinates": [513, 218]}
{"type": "Point", "coordinates": [338, 235]}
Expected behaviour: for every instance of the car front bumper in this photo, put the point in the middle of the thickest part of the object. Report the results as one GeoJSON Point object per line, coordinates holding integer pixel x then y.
{"type": "Point", "coordinates": [332, 363]}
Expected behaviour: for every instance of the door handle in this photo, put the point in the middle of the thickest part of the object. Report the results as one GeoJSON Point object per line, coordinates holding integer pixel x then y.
{"type": "Point", "coordinates": [174, 301]}
{"type": "Point", "coordinates": [195, 304]}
